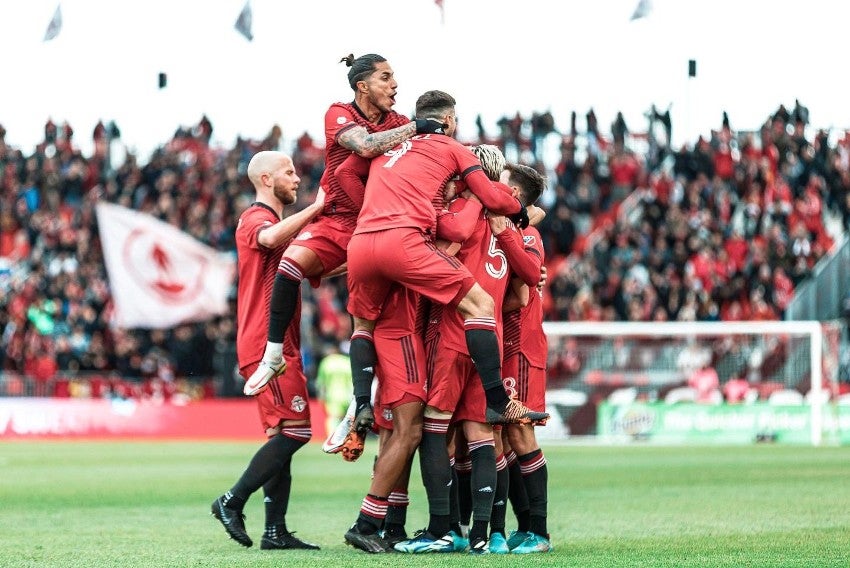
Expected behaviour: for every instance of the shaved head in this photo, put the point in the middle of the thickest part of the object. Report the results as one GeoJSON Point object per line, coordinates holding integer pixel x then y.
{"type": "Point", "coordinates": [265, 162]}
{"type": "Point", "coordinates": [273, 176]}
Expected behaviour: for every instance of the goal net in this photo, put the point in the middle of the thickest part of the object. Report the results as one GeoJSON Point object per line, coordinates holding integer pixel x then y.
{"type": "Point", "coordinates": [708, 382]}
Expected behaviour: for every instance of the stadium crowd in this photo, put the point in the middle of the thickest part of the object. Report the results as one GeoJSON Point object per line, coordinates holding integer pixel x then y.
{"type": "Point", "coordinates": [723, 229]}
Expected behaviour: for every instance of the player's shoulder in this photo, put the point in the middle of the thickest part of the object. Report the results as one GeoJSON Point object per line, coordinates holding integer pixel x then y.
{"type": "Point", "coordinates": [256, 214]}
{"type": "Point", "coordinates": [531, 237]}
{"type": "Point", "coordinates": [340, 113]}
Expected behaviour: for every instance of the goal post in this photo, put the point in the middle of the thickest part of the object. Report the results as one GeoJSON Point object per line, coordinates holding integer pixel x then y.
{"type": "Point", "coordinates": [787, 370]}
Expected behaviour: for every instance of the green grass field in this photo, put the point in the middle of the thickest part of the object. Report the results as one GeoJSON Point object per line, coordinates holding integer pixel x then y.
{"type": "Point", "coordinates": [98, 504]}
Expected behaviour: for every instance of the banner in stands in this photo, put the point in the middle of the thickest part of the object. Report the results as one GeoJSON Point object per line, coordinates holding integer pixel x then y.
{"type": "Point", "coordinates": [720, 424]}
{"type": "Point", "coordinates": [68, 418]}
{"type": "Point", "coordinates": [160, 276]}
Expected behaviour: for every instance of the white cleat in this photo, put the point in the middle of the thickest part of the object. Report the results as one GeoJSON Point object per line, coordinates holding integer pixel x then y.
{"type": "Point", "coordinates": [265, 372]}
{"type": "Point", "coordinates": [336, 440]}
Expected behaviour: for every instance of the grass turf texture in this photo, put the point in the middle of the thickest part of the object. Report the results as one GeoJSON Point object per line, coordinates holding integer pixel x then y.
{"type": "Point", "coordinates": [99, 504]}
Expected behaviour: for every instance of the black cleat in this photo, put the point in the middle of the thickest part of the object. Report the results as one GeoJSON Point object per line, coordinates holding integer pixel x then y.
{"type": "Point", "coordinates": [284, 541]}
{"type": "Point", "coordinates": [372, 543]}
{"type": "Point", "coordinates": [391, 539]}
{"type": "Point", "coordinates": [516, 413]}
{"type": "Point", "coordinates": [233, 521]}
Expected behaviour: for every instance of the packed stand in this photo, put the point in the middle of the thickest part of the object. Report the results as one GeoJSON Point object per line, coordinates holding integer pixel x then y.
{"type": "Point", "coordinates": [721, 231]}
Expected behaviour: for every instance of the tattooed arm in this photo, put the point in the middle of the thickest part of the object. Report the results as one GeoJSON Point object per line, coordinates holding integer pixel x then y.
{"type": "Point", "coordinates": [371, 144]}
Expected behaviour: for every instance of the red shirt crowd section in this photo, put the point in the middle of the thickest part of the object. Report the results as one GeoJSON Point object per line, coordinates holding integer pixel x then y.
{"type": "Point", "coordinates": [636, 230]}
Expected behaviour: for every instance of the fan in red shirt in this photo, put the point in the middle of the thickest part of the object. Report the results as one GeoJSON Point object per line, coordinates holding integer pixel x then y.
{"type": "Point", "coordinates": [261, 236]}
{"type": "Point", "coordinates": [366, 126]}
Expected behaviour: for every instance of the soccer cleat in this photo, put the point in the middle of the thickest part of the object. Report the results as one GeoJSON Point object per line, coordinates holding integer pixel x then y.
{"type": "Point", "coordinates": [352, 446]}
{"type": "Point", "coordinates": [285, 541]}
{"type": "Point", "coordinates": [498, 544]}
{"type": "Point", "coordinates": [233, 521]}
{"type": "Point", "coordinates": [478, 546]}
{"type": "Point", "coordinates": [335, 441]}
{"type": "Point", "coordinates": [534, 543]}
{"type": "Point", "coordinates": [259, 379]}
{"type": "Point", "coordinates": [515, 538]}
{"type": "Point", "coordinates": [459, 541]}
{"type": "Point", "coordinates": [372, 543]}
{"type": "Point", "coordinates": [355, 440]}
{"type": "Point", "coordinates": [516, 413]}
{"type": "Point", "coordinates": [424, 542]}
{"type": "Point", "coordinates": [391, 539]}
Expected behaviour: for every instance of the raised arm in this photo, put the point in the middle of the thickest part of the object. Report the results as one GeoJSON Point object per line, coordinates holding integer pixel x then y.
{"type": "Point", "coordinates": [457, 223]}
{"type": "Point", "coordinates": [371, 144]}
{"type": "Point", "coordinates": [495, 196]}
{"type": "Point", "coordinates": [524, 262]}
{"type": "Point", "coordinates": [275, 235]}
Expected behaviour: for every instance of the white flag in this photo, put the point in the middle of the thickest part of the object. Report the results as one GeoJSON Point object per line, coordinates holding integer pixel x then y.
{"type": "Point", "coordinates": [642, 10]}
{"type": "Point", "coordinates": [245, 21]}
{"type": "Point", "coordinates": [55, 25]}
{"type": "Point", "coordinates": [160, 276]}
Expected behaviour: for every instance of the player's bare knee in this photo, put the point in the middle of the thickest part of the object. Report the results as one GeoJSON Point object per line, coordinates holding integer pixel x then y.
{"type": "Point", "coordinates": [362, 324]}
{"type": "Point", "coordinates": [477, 304]}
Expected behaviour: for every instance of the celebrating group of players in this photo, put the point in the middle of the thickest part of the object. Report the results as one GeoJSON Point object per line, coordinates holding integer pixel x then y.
{"type": "Point", "coordinates": [435, 239]}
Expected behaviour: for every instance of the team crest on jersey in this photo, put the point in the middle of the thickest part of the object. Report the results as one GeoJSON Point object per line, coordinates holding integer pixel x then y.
{"type": "Point", "coordinates": [388, 414]}
{"type": "Point", "coordinates": [298, 404]}
{"type": "Point", "coordinates": [340, 120]}
{"type": "Point", "coordinates": [304, 236]}
{"type": "Point", "coordinates": [528, 240]}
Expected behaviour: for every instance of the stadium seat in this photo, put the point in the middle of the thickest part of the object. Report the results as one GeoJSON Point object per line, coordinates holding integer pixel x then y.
{"type": "Point", "coordinates": [787, 397]}
{"type": "Point", "coordinates": [623, 396]}
{"type": "Point", "coordinates": [681, 394]}
{"type": "Point", "coordinates": [824, 396]}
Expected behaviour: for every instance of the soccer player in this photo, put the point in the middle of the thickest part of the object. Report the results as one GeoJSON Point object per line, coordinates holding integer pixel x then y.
{"type": "Point", "coordinates": [524, 376]}
{"type": "Point", "coordinates": [492, 253]}
{"type": "Point", "coordinates": [400, 398]}
{"type": "Point", "coordinates": [396, 225]}
{"type": "Point", "coordinates": [261, 235]}
{"type": "Point", "coordinates": [366, 126]}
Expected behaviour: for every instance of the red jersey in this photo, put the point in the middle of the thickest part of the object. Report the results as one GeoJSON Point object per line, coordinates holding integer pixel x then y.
{"type": "Point", "coordinates": [257, 269]}
{"type": "Point", "coordinates": [523, 328]}
{"type": "Point", "coordinates": [487, 262]}
{"type": "Point", "coordinates": [339, 118]}
{"type": "Point", "coordinates": [405, 183]}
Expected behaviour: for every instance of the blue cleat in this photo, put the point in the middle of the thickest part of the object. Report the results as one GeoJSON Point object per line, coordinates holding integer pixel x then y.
{"type": "Point", "coordinates": [498, 544]}
{"type": "Point", "coordinates": [516, 538]}
{"type": "Point", "coordinates": [424, 542]}
{"type": "Point", "coordinates": [534, 543]}
{"type": "Point", "coordinates": [459, 542]}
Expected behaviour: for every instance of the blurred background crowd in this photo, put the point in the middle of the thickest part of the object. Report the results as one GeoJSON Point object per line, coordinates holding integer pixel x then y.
{"type": "Point", "coordinates": [725, 228]}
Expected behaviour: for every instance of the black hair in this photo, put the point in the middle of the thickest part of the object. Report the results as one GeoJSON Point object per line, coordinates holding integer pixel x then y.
{"type": "Point", "coordinates": [531, 182]}
{"type": "Point", "coordinates": [434, 104]}
{"type": "Point", "coordinates": [361, 67]}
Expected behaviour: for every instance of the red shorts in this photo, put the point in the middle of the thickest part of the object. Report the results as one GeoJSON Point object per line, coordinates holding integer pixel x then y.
{"type": "Point", "coordinates": [327, 237]}
{"type": "Point", "coordinates": [526, 383]}
{"type": "Point", "coordinates": [401, 375]}
{"type": "Point", "coordinates": [286, 397]}
{"type": "Point", "coordinates": [378, 260]}
{"type": "Point", "coordinates": [455, 387]}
